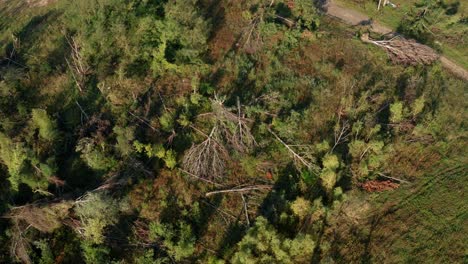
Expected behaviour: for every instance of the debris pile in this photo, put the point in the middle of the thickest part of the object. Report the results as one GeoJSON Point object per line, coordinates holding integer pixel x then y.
{"type": "Point", "coordinates": [404, 51]}
{"type": "Point", "coordinates": [379, 186]}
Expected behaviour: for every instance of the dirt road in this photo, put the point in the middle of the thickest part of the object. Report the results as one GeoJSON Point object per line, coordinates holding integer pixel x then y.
{"type": "Point", "coordinates": [355, 18]}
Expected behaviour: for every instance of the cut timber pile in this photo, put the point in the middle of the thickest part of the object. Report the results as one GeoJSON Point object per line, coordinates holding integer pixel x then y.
{"type": "Point", "coordinates": [379, 186]}
{"type": "Point", "coordinates": [404, 51]}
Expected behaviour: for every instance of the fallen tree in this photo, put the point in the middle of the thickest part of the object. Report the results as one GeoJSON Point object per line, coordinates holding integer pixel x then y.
{"type": "Point", "coordinates": [405, 51]}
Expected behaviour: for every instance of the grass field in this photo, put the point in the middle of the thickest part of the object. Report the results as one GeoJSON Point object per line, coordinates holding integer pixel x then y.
{"type": "Point", "coordinates": [428, 221]}
{"type": "Point", "coordinates": [452, 38]}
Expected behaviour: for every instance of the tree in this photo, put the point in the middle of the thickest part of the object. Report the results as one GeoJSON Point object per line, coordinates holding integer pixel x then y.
{"type": "Point", "coordinates": [329, 175]}
{"type": "Point", "coordinates": [46, 253]}
{"type": "Point", "coordinates": [14, 156]}
{"type": "Point", "coordinates": [47, 127]}
{"type": "Point", "coordinates": [234, 127]}
{"type": "Point", "coordinates": [396, 112]}
{"type": "Point", "coordinates": [403, 51]}
{"type": "Point", "coordinates": [178, 240]}
{"type": "Point", "coordinates": [95, 155]}
{"type": "Point", "coordinates": [96, 211]}
{"type": "Point", "coordinates": [93, 253]}
{"type": "Point", "coordinates": [124, 136]}
{"type": "Point", "coordinates": [207, 159]}
{"type": "Point", "coordinates": [301, 207]}
{"type": "Point", "coordinates": [262, 244]}
{"type": "Point", "coordinates": [46, 218]}
{"type": "Point", "coordinates": [305, 11]}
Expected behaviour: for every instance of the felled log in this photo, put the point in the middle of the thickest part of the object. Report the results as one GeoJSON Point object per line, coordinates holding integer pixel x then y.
{"type": "Point", "coordinates": [405, 51]}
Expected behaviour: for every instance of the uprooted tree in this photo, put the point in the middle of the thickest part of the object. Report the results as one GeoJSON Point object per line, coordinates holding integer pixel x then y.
{"type": "Point", "coordinates": [230, 131]}
{"type": "Point", "coordinates": [405, 51]}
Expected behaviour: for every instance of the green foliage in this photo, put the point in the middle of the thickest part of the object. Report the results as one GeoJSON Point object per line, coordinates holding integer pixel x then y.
{"type": "Point", "coordinates": [138, 38]}
{"type": "Point", "coordinates": [146, 258]}
{"type": "Point", "coordinates": [169, 156]}
{"type": "Point", "coordinates": [301, 207]}
{"type": "Point", "coordinates": [418, 22]}
{"type": "Point", "coordinates": [418, 106]}
{"type": "Point", "coordinates": [308, 177]}
{"type": "Point", "coordinates": [262, 244]}
{"type": "Point", "coordinates": [338, 194]}
{"type": "Point", "coordinates": [167, 121]}
{"type": "Point", "coordinates": [124, 138]}
{"type": "Point", "coordinates": [329, 175]}
{"type": "Point", "coordinates": [94, 253]}
{"type": "Point", "coordinates": [47, 127]}
{"type": "Point", "coordinates": [323, 146]}
{"type": "Point", "coordinates": [306, 12]}
{"type": "Point", "coordinates": [46, 254]}
{"type": "Point", "coordinates": [96, 212]}
{"type": "Point", "coordinates": [170, 159]}
{"type": "Point", "coordinates": [328, 180]}
{"type": "Point", "coordinates": [178, 240]}
{"type": "Point", "coordinates": [330, 162]}
{"type": "Point", "coordinates": [369, 156]}
{"type": "Point", "coordinates": [14, 156]}
{"type": "Point", "coordinates": [95, 155]}
{"type": "Point", "coordinates": [396, 112]}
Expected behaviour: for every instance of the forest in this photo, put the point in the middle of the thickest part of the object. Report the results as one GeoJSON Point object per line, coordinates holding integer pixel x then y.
{"type": "Point", "coordinates": [231, 131]}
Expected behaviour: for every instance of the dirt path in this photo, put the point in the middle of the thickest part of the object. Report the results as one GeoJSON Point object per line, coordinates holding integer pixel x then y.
{"type": "Point", "coordinates": [355, 18]}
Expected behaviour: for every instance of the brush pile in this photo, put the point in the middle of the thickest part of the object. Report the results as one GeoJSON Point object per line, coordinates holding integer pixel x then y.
{"type": "Point", "coordinates": [378, 186]}
{"type": "Point", "coordinates": [404, 51]}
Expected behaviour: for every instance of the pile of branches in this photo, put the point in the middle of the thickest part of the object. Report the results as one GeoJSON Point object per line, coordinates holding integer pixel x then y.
{"type": "Point", "coordinates": [379, 186]}
{"type": "Point", "coordinates": [405, 51]}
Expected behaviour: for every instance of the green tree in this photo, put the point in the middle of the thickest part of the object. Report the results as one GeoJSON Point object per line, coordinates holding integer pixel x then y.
{"type": "Point", "coordinates": [46, 253]}
{"type": "Point", "coordinates": [301, 207]}
{"type": "Point", "coordinates": [178, 240]}
{"type": "Point", "coordinates": [306, 12]}
{"type": "Point", "coordinates": [368, 157]}
{"type": "Point", "coordinates": [96, 212]}
{"type": "Point", "coordinates": [396, 112]}
{"type": "Point", "coordinates": [329, 175]}
{"type": "Point", "coordinates": [47, 127]}
{"type": "Point", "coordinates": [157, 150]}
{"type": "Point", "coordinates": [94, 155]}
{"type": "Point", "coordinates": [14, 156]}
{"type": "Point", "coordinates": [124, 136]}
{"type": "Point", "coordinates": [95, 254]}
{"type": "Point", "coordinates": [262, 244]}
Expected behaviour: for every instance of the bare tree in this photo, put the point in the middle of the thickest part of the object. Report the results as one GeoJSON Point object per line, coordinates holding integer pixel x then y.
{"type": "Point", "coordinates": [78, 66]}
{"type": "Point", "coordinates": [234, 127]}
{"type": "Point", "coordinates": [300, 153]}
{"type": "Point", "coordinates": [385, 2]}
{"type": "Point", "coordinates": [241, 190]}
{"type": "Point", "coordinates": [20, 245]}
{"type": "Point", "coordinates": [251, 39]}
{"type": "Point", "coordinates": [44, 217]}
{"type": "Point", "coordinates": [341, 132]}
{"type": "Point", "coordinates": [207, 159]}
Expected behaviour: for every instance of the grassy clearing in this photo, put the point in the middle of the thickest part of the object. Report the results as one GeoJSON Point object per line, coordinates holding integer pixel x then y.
{"type": "Point", "coordinates": [16, 15]}
{"type": "Point", "coordinates": [424, 222]}
{"type": "Point", "coordinates": [429, 222]}
{"type": "Point", "coordinates": [451, 37]}
{"type": "Point", "coordinates": [387, 15]}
